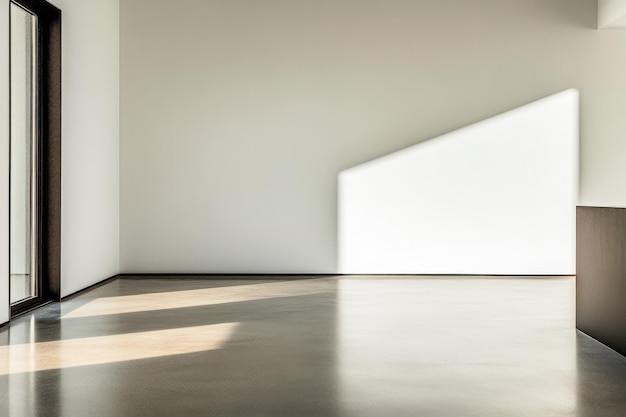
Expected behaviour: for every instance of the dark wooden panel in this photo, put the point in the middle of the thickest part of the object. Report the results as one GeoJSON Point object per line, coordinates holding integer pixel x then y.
{"type": "Point", "coordinates": [601, 274]}
{"type": "Point", "coordinates": [51, 80]}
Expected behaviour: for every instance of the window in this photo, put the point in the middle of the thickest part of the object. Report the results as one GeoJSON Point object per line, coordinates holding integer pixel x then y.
{"type": "Point", "coordinates": [35, 154]}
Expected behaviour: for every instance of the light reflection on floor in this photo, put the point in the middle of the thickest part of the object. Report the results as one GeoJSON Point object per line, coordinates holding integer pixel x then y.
{"type": "Point", "coordinates": [33, 357]}
{"type": "Point", "coordinates": [471, 347]}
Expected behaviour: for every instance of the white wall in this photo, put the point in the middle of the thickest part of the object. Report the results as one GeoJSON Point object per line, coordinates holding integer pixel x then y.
{"type": "Point", "coordinates": [90, 141]}
{"type": "Point", "coordinates": [497, 197]}
{"type": "Point", "coordinates": [238, 116]}
{"type": "Point", "coordinates": [4, 162]}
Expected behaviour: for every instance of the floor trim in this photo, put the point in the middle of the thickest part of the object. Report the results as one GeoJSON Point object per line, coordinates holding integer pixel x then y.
{"type": "Point", "coordinates": [91, 287]}
{"type": "Point", "coordinates": [300, 276]}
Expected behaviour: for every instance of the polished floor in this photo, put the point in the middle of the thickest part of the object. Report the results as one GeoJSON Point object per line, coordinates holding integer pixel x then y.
{"type": "Point", "coordinates": [357, 346]}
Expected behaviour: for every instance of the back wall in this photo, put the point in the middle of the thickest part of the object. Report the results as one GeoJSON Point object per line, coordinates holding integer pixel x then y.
{"type": "Point", "coordinates": [238, 116]}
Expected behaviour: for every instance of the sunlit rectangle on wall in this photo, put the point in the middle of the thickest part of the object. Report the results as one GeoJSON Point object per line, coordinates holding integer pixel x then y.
{"type": "Point", "coordinates": [496, 197]}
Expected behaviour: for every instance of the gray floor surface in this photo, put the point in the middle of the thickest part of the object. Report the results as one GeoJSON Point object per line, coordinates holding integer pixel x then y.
{"type": "Point", "coordinates": [336, 346]}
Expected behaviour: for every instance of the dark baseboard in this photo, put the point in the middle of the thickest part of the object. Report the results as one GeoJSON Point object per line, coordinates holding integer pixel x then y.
{"type": "Point", "coordinates": [601, 275]}
{"type": "Point", "coordinates": [211, 275]}
{"type": "Point", "coordinates": [91, 287]}
{"type": "Point", "coordinates": [237, 276]}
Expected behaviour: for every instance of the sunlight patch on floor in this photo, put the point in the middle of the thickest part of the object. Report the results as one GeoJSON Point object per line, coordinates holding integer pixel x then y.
{"type": "Point", "coordinates": [200, 297]}
{"type": "Point", "coordinates": [32, 357]}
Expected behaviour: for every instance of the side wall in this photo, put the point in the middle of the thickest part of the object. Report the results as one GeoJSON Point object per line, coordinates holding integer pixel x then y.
{"type": "Point", "coordinates": [90, 159]}
{"type": "Point", "coordinates": [239, 115]}
{"type": "Point", "coordinates": [90, 200]}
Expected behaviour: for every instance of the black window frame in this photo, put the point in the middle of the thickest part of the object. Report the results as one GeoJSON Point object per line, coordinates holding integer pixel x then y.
{"type": "Point", "coordinates": [48, 143]}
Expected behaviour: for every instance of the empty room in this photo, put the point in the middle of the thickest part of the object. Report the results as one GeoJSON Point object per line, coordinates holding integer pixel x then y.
{"type": "Point", "coordinates": [312, 208]}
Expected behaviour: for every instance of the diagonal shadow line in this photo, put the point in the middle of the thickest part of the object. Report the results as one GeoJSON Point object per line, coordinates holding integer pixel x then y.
{"type": "Point", "coordinates": [392, 217]}
{"type": "Point", "coordinates": [127, 323]}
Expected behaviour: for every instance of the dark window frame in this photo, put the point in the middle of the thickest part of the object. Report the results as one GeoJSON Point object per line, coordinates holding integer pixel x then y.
{"type": "Point", "coordinates": [48, 142]}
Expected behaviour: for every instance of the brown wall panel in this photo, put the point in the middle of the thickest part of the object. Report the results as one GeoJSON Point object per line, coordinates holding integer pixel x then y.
{"type": "Point", "coordinates": [601, 275]}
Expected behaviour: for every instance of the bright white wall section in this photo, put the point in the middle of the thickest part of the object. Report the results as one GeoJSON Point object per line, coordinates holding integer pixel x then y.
{"type": "Point", "coordinates": [4, 161]}
{"type": "Point", "coordinates": [90, 141]}
{"type": "Point", "coordinates": [237, 116]}
{"type": "Point", "coordinates": [496, 197]}
{"type": "Point", "coordinates": [611, 14]}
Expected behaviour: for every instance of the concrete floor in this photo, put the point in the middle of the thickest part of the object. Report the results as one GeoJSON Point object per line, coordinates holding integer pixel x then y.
{"type": "Point", "coordinates": [316, 347]}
